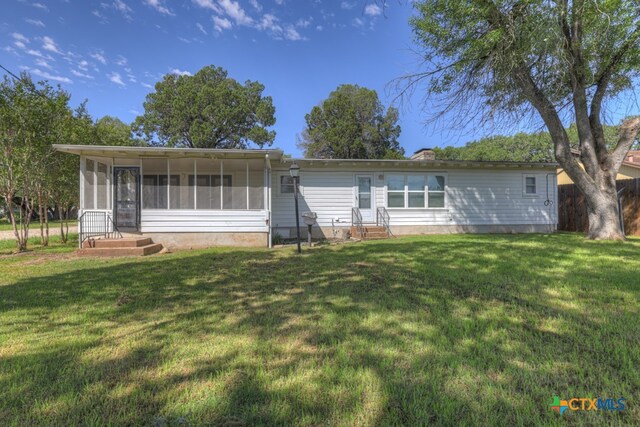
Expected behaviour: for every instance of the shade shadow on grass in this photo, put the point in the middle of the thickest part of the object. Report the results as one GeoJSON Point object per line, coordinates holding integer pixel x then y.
{"type": "Point", "coordinates": [429, 330]}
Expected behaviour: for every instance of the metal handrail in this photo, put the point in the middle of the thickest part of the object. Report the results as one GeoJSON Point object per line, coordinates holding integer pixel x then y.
{"type": "Point", "coordinates": [383, 219]}
{"type": "Point", "coordinates": [356, 221]}
{"type": "Point", "coordinates": [94, 224]}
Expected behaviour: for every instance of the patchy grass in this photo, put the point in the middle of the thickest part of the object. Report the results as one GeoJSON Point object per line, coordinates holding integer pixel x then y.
{"type": "Point", "coordinates": [8, 246]}
{"type": "Point", "coordinates": [5, 225]}
{"type": "Point", "coordinates": [434, 330]}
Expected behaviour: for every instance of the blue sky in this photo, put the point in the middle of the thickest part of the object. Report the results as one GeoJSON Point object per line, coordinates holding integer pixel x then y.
{"type": "Point", "coordinates": [111, 52]}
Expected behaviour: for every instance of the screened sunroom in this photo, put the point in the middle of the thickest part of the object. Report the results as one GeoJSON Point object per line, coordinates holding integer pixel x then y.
{"type": "Point", "coordinates": [171, 190]}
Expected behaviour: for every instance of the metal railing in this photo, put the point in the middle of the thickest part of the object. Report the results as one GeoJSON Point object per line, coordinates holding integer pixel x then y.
{"type": "Point", "coordinates": [383, 219]}
{"type": "Point", "coordinates": [96, 224]}
{"type": "Point", "coordinates": [356, 221]}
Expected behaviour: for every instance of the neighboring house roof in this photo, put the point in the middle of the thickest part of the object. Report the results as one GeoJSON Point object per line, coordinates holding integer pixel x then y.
{"type": "Point", "coordinates": [275, 154]}
{"type": "Point", "coordinates": [628, 169]}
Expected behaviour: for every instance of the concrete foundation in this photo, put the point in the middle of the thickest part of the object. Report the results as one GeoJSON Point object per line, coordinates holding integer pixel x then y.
{"type": "Point", "coordinates": [408, 230]}
{"type": "Point", "coordinates": [207, 240]}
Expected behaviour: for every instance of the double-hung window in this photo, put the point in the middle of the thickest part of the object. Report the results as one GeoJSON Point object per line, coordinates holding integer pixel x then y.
{"type": "Point", "coordinates": [416, 191]}
{"type": "Point", "coordinates": [529, 186]}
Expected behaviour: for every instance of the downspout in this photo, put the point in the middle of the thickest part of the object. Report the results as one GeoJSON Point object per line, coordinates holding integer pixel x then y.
{"type": "Point", "coordinates": [549, 203]}
{"type": "Point", "coordinates": [620, 214]}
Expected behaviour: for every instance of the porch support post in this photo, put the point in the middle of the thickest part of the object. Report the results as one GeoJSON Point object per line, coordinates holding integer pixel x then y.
{"type": "Point", "coordinates": [83, 168]}
{"type": "Point", "coordinates": [247, 183]}
{"type": "Point", "coordinates": [221, 184]}
{"type": "Point", "coordinates": [168, 184]}
{"type": "Point", "coordinates": [195, 184]}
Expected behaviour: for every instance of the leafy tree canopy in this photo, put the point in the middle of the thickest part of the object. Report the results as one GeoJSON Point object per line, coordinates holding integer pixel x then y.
{"type": "Point", "coordinates": [207, 110]}
{"type": "Point", "coordinates": [352, 124]}
{"type": "Point", "coordinates": [522, 147]}
{"type": "Point", "coordinates": [113, 131]}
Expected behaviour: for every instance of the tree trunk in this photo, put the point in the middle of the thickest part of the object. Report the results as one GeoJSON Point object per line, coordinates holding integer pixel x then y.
{"type": "Point", "coordinates": [603, 214]}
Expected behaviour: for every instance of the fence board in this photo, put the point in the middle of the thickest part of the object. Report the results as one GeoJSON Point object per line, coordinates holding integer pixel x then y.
{"type": "Point", "coordinates": [572, 207]}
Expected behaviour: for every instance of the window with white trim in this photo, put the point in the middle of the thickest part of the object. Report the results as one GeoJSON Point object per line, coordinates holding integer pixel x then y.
{"type": "Point", "coordinates": [416, 191]}
{"type": "Point", "coordinates": [529, 186]}
{"type": "Point", "coordinates": [285, 184]}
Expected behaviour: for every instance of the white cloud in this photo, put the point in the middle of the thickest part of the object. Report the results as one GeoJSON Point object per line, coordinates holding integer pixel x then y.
{"type": "Point", "coordinates": [121, 61]}
{"type": "Point", "coordinates": [116, 78]}
{"type": "Point", "coordinates": [121, 7]}
{"type": "Point", "coordinates": [50, 45]}
{"type": "Point", "coordinates": [209, 4]}
{"type": "Point", "coordinates": [157, 5]}
{"type": "Point", "coordinates": [35, 22]}
{"type": "Point", "coordinates": [358, 23]}
{"type": "Point", "coordinates": [372, 10]}
{"type": "Point", "coordinates": [319, 28]}
{"type": "Point", "coordinates": [179, 72]}
{"type": "Point", "coordinates": [257, 6]}
{"type": "Point", "coordinates": [291, 33]}
{"type": "Point", "coordinates": [99, 56]}
{"type": "Point", "coordinates": [42, 63]}
{"type": "Point", "coordinates": [83, 65]}
{"type": "Point", "coordinates": [47, 76]}
{"type": "Point", "coordinates": [201, 28]}
{"type": "Point", "coordinates": [19, 37]}
{"type": "Point", "coordinates": [40, 6]}
{"type": "Point", "coordinates": [347, 5]}
{"type": "Point", "coordinates": [20, 44]}
{"type": "Point", "coordinates": [81, 74]}
{"type": "Point", "coordinates": [38, 54]}
{"type": "Point", "coordinates": [221, 24]}
{"type": "Point", "coordinates": [147, 85]}
{"type": "Point", "coordinates": [279, 2]}
{"type": "Point", "coordinates": [235, 12]}
{"type": "Point", "coordinates": [303, 23]}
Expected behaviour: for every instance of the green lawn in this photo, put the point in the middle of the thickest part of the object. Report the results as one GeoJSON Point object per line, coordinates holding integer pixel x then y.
{"type": "Point", "coordinates": [5, 225]}
{"type": "Point", "coordinates": [433, 330]}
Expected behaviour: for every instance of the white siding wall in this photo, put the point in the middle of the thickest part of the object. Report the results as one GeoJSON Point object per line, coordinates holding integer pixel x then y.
{"type": "Point", "coordinates": [473, 197]}
{"type": "Point", "coordinates": [209, 221]}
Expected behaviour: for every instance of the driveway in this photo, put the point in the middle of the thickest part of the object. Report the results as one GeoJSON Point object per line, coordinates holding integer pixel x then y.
{"type": "Point", "coordinates": [53, 231]}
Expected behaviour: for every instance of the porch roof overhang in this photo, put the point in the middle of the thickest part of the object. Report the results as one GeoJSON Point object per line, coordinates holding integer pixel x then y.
{"type": "Point", "coordinates": [426, 164]}
{"type": "Point", "coordinates": [177, 153]}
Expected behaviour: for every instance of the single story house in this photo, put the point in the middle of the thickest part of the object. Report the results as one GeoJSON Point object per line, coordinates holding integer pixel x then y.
{"type": "Point", "coordinates": [205, 197]}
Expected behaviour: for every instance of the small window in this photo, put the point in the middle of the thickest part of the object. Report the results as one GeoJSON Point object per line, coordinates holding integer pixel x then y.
{"type": "Point", "coordinates": [286, 184]}
{"type": "Point", "coordinates": [530, 187]}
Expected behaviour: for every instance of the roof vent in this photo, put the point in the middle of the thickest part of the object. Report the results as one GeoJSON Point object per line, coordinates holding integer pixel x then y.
{"type": "Point", "coordinates": [424, 154]}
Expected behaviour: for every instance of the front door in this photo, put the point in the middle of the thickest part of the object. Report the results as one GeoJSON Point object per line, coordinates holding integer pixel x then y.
{"type": "Point", "coordinates": [365, 197]}
{"type": "Point", "coordinates": [127, 197]}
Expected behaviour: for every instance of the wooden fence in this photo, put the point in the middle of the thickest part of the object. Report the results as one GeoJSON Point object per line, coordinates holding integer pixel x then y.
{"type": "Point", "coordinates": [572, 208]}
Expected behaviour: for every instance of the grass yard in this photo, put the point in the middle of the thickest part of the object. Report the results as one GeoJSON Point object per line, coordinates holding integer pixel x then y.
{"type": "Point", "coordinates": [5, 225]}
{"type": "Point", "coordinates": [432, 330]}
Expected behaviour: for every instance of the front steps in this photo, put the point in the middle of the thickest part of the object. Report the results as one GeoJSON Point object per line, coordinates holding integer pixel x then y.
{"type": "Point", "coordinates": [128, 246]}
{"type": "Point", "coordinates": [371, 232]}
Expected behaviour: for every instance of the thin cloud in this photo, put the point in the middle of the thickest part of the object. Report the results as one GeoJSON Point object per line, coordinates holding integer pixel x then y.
{"type": "Point", "coordinates": [81, 74]}
{"type": "Point", "coordinates": [50, 45]}
{"type": "Point", "coordinates": [372, 10]}
{"type": "Point", "coordinates": [221, 24]}
{"type": "Point", "coordinates": [159, 6]}
{"type": "Point", "coordinates": [43, 63]}
{"type": "Point", "coordinates": [19, 37]}
{"type": "Point", "coordinates": [99, 56]}
{"type": "Point", "coordinates": [40, 6]}
{"type": "Point", "coordinates": [35, 22]}
{"type": "Point", "coordinates": [47, 76]}
{"type": "Point", "coordinates": [257, 6]}
{"type": "Point", "coordinates": [179, 72]}
{"type": "Point", "coordinates": [201, 28]}
{"type": "Point", "coordinates": [116, 78]}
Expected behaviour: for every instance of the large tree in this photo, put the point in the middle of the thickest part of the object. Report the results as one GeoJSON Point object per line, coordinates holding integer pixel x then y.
{"type": "Point", "coordinates": [351, 124]}
{"type": "Point", "coordinates": [207, 110]}
{"type": "Point", "coordinates": [113, 131]}
{"type": "Point", "coordinates": [560, 60]}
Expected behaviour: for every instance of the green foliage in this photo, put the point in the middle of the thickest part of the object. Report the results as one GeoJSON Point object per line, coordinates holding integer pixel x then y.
{"type": "Point", "coordinates": [474, 50]}
{"type": "Point", "coordinates": [521, 147]}
{"type": "Point", "coordinates": [207, 110]}
{"type": "Point", "coordinates": [113, 131]}
{"type": "Point", "coordinates": [352, 124]}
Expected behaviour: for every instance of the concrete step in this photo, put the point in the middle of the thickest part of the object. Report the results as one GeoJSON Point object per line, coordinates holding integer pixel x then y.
{"type": "Point", "coordinates": [149, 249]}
{"type": "Point", "coordinates": [127, 242]}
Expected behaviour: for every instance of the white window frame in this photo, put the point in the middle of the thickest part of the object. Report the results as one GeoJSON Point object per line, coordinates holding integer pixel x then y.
{"type": "Point", "coordinates": [279, 184]}
{"type": "Point", "coordinates": [524, 185]}
{"type": "Point", "coordinates": [406, 190]}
